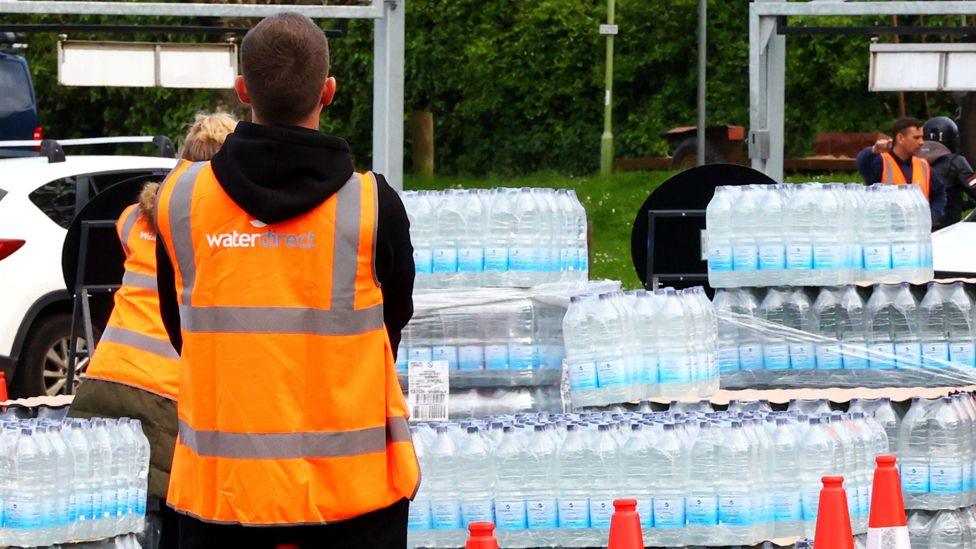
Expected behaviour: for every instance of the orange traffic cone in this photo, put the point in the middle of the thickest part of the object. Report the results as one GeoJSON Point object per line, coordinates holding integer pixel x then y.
{"type": "Point", "coordinates": [887, 526]}
{"type": "Point", "coordinates": [482, 536]}
{"type": "Point", "coordinates": [833, 518]}
{"type": "Point", "coordinates": [3, 387]}
{"type": "Point", "coordinates": [625, 526]}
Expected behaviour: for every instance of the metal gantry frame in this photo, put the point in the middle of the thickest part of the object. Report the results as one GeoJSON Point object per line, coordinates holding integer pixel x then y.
{"type": "Point", "coordinates": [389, 24]}
{"type": "Point", "coordinates": [767, 62]}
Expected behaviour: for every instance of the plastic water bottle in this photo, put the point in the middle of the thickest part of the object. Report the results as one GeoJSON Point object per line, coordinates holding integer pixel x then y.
{"type": "Point", "coordinates": [800, 234]}
{"type": "Point", "coordinates": [728, 331]}
{"type": "Point", "coordinates": [648, 337]}
{"type": "Point", "coordinates": [539, 472]}
{"type": "Point", "coordinates": [81, 489]}
{"type": "Point", "coordinates": [611, 366]}
{"type": "Point", "coordinates": [568, 234]}
{"type": "Point", "coordinates": [420, 214]}
{"type": "Point", "coordinates": [582, 247]}
{"type": "Point", "coordinates": [828, 246]}
{"type": "Point", "coordinates": [959, 311]}
{"type": "Point", "coordinates": [141, 473]}
{"type": "Point", "coordinates": [946, 437]}
{"type": "Point", "coordinates": [668, 464]}
{"type": "Point", "coordinates": [905, 253]}
{"type": "Point", "coordinates": [24, 520]}
{"type": "Point", "coordinates": [913, 450]}
{"type": "Point", "coordinates": [701, 502]}
{"type": "Point", "coordinates": [857, 197]}
{"type": "Point", "coordinates": [883, 413]}
{"type": "Point", "coordinates": [525, 255]}
{"type": "Point", "coordinates": [638, 475]}
{"type": "Point", "coordinates": [718, 220]}
{"type": "Point", "coordinates": [787, 502]}
{"type": "Point", "coordinates": [817, 457]}
{"type": "Point", "coordinates": [419, 519]}
{"type": "Point", "coordinates": [580, 348]}
{"type": "Point", "coordinates": [828, 315]}
{"type": "Point", "coordinates": [852, 328]}
{"type": "Point", "coordinates": [471, 248]}
{"type": "Point", "coordinates": [738, 497]}
{"type": "Point", "coordinates": [770, 236]}
{"type": "Point", "coordinates": [603, 456]}
{"type": "Point", "coordinates": [475, 481]}
{"type": "Point", "coordinates": [673, 352]}
{"type": "Point", "coordinates": [509, 497]}
{"type": "Point", "coordinates": [905, 328]}
{"type": "Point", "coordinates": [550, 249]}
{"type": "Point", "coordinates": [877, 233]}
{"type": "Point", "coordinates": [932, 328]}
{"type": "Point", "coordinates": [63, 481]}
{"type": "Point", "coordinates": [445, 507]}
{"type": "Point", "coordinates": [572, 481]}
{"type": "Point", "coordinates": [449, 232]}
{"type": "Point", "coordinates": [502, 227]}
{"type": "Point", "coordinates": [948, 531]}
{"type": "Point", "coordinates": [49, 513]}
{"type": "Point", "coordinates": [745, 252]}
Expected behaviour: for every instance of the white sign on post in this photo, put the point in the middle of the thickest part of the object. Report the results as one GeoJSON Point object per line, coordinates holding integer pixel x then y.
{"type": "Point", "coordinates": [610, 30]}
{"type": "Point", "coordinates": [429, 389]}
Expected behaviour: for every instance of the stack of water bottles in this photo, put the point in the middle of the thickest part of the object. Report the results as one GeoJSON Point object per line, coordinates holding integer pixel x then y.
{"type": "Point", "coordinates": [785, 338]}
{"type": "Point", "coordinates": [71, 480]}
{"type": "Point", "coordinates": [949, 529]}
{"type": "Point", "coordinates": [637, 345]}
{"type": "Point", "coordinates": [817, 234]}
{"type": "Point", "coordinates": [499, 237]}
{"type": "Point", "coordinates": [700, 477]}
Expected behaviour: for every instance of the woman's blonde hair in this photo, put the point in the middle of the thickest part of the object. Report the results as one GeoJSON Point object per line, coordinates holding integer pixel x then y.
{"type": "Point", "coordinates": [206, 135]}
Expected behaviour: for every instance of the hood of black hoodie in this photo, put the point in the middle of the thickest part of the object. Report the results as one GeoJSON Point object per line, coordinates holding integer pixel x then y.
{"type": "Point", "coordinates": [277, 173]}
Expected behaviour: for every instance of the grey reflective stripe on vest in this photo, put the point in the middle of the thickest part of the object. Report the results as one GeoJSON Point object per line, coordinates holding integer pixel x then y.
{"type": "Point", "coordinates": [139, 280]}
{"type": "Point", "coordinates": [340, 319]}
{"type": "Point", "coordinates": [127, 224]}
{"type": "Point", "coordinates": [308, 445]}
{"type": "Point", "coordinates": [281, 320]}
{"type": "Point", "coordinates": [181, 228]}
{"type": "Point", "coordinates": [139, 341]}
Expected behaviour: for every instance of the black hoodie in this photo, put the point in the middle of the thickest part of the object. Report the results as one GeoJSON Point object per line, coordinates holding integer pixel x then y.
{"type": "Point", "coordinates": [278, 173]}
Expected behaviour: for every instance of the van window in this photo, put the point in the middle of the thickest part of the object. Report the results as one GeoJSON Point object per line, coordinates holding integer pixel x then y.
{"type": "Point", "coordinates": [15, 83]}
{"type": "Point", "coordinates": [57, 200]}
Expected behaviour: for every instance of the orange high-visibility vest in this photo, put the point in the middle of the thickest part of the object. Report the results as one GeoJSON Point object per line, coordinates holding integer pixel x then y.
{"type": "Point", "coordinates": [891, 173]}
{"type": "Point", "coordinates": [135, 349]}
{"type": "Point", "coordinates": [290, 410]}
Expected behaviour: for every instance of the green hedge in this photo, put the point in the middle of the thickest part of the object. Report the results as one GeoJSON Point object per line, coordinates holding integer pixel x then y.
{"type": "Point", "coordinates": [517, 86]}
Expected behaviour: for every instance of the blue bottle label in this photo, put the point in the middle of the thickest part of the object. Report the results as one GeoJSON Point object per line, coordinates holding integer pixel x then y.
{"type": "Point", "coordinates": [445, 260]}
{"type": "Point", "coordinates": [787, 506]}
{"type": "Point", "coordinates": [110, 503]}
{"type": "Point", "coordinates": [478, 510]}
{"type": "Point", "coordinates": [909, 354]}
{"type": "Point", "coordinates": [719, 258]}
{"type": "Point", "coordinates": [936, 354]}
{"type": "Point", "coordinates": [522, 258]}
{"type": "Point", "coordinates": [448, 353]}
{"type": "Point", "coordinates": [799, 257]}
{"type": "Point", "coordinates": [829, 357]}
{"type": "Point", "coordinates": [423, 260]}
{"type": "Point", "coordinates": [496, 259]}
{"type": "Point", "coordinates": [568, 259]}
{"type": "Point", "coordinates": [496, 357]}
{"type": "Point", "coordinates": [62, 511]}
{"type": "Point", "coordinates": [810, 502]}
{"type": "Point", "coordinates": [905, 256]}
{"type": "Point", "coordinates": [601, 510]}
{"type": "Point", "coordinates": [97, 507]}
{"type": "Point", "coordinates": [772, 257]}
{"type": "Point", "coordinates": [521, 357]}
{"type": "Point", "coordinates": [471, 357]}
{"type": "Point", "coordinates": [542, 513]}
{"type": "Point", "coordinates": [963, 354]}
{"type": "Point", "coordinates": [645, 511]}
{"type": "Point", "coordinates": [802, 356]}
{"type": "Point", "coordinates": [421, 353]}
{"type": "Point", "coordinates": [915, 478]}
{"type": "Point", "coordinates": [22, 515]}
{"type": "Point", "coordinates": [574, 513]}
{"type": "Point", "coordinates": [471, 260]}
{"type": "Point", "coordinates": [857, 256]}
{"type": "Point", "coordinates": [877, 257]}
{"type": "Point", "coordinates": [745, 258]}
{"type": "Point", "coordinates": [945, 478]}
{"type": "Point", "coordinates": [854, 356]}
{"type": "Point", "coordinates": [728, 358]}
{"type": "Point", "coordinates": [673, 369]}
{"type": "Point", "coordinates": [510, 514]}
{"type": "Point", "coordinates": [701, 510]}
{"type": "Point", "coordinates": [882, 356]}
{"type": "Point", "coordinates": [611, 373]}
{"type": "Point", "coordinates": [967, 476]}
{"type": "Point", "coordinates": [141, 502]}
{"type": "Point", "coordinates": [776, 356]}
{"type": "Point", "coordinates": [582, 375]}
{"type": "Point", "coordinates": [828, 257]}
{"type": "Point", "coordinates": [750, 356]}
{"type": "Point", "coordinates": [419, 517]}
{"type": "Point", "coordinates": [445, 514]}
{"type": "Point", "coordinates": [669, 512]}
{"type": "Point", "coordinates": [735, 510]}
{"type": "Point", "coordinates": [649, 369]}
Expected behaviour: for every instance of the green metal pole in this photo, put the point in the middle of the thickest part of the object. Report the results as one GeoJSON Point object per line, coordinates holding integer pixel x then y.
{"type": "Point", "coordinates": [606, 140]}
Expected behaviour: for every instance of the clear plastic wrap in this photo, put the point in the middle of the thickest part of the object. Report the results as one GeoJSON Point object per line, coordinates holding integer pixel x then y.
{"type": "Point", "coordinates": [942, 529]}
{"type": "Point", "coordinates": [893, 339]}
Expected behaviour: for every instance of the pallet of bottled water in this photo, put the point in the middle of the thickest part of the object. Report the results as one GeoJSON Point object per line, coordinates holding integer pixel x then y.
{"type": "Point", "coordinates": [845, 336]}
{"type": "Point", "coordinates": [947, 529]}
{"type": "Point", "coordinates": [637, 345]}
{"type": "Point", "coordinates": [700, 477]}
{"type": "Point", "coordinates": [817, 235]}
{"type": "Point", "coordinates": [71, 480]}
{"type": "Point", "coordinates": [498, 237]}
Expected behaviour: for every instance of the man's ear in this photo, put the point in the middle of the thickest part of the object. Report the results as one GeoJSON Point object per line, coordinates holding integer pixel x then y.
{"type": "Point", "coordinates": [241, 89]}
{"type": "Point", "coordinates": [328, 91]}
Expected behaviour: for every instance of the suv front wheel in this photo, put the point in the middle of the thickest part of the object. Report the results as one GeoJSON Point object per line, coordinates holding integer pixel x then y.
{"type": "Point", "coordinates": [44, 365]}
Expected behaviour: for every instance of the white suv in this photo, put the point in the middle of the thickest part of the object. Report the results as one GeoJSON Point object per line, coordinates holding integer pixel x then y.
{"type": "Point", "coordinates": [38, 199]}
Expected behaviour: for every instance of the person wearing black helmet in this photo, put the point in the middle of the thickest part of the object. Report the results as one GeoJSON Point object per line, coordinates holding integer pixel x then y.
{"type": "Point", "coordinates": [941, 150]}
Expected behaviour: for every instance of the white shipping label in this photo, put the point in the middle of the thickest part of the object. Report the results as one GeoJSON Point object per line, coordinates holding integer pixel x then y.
{"type": "Point", "coordinates": [429, 389]}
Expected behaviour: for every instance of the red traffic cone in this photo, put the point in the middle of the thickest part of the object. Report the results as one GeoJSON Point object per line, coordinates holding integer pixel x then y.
{"type": "Point", "coordinates": [625, 526]}
{"type": "Point", "coordinates": [482, 536]}
{"type": "Point", "coordinates": [3, 387]}
{"type": "Point", "coordinates": [887, 526]}
{"type": "Point", "coordinates": [833, 517]}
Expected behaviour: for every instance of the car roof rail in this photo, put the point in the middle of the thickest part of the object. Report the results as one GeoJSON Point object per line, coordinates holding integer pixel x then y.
{"type": "Point", "coordinates": [53, 149]}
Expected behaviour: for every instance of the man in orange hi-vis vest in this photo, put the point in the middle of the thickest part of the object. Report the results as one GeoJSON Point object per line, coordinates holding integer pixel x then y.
{"type": "Point", "coordinates": [895, 162]}
{"type": "Point", "coordinates": [285, 278]}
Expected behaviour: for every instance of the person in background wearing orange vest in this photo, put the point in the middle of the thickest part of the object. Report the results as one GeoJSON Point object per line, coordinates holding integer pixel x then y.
{"type": "Point", "coordinates": [285, 278]}
{"type": "Point", "coordinates": [895, 162]}
{"type": "Point", "coordinates": [134, 371]}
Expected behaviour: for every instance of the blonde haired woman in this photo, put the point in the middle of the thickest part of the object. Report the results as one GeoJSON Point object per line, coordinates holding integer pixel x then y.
{"type": "Point", "coordinates": [134, 371]}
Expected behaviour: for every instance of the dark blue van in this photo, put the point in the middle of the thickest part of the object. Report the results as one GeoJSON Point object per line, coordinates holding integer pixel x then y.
{"type": "Point", "coordinates": [18, 105]}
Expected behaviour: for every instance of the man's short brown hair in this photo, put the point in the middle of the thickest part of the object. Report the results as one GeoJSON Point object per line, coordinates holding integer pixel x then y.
{"type": "Point", "coordinates": [903, 124]}
{"type": "Point", "coordinates": [285, 61]}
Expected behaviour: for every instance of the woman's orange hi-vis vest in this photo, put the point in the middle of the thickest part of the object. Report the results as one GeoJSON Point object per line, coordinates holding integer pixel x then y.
{"type": "Point", "coordinates": [290, 411]}
{"type": "Point", "coordinates": [135, 350]}
{"type": "Point", "coordinates": [891, 173]}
